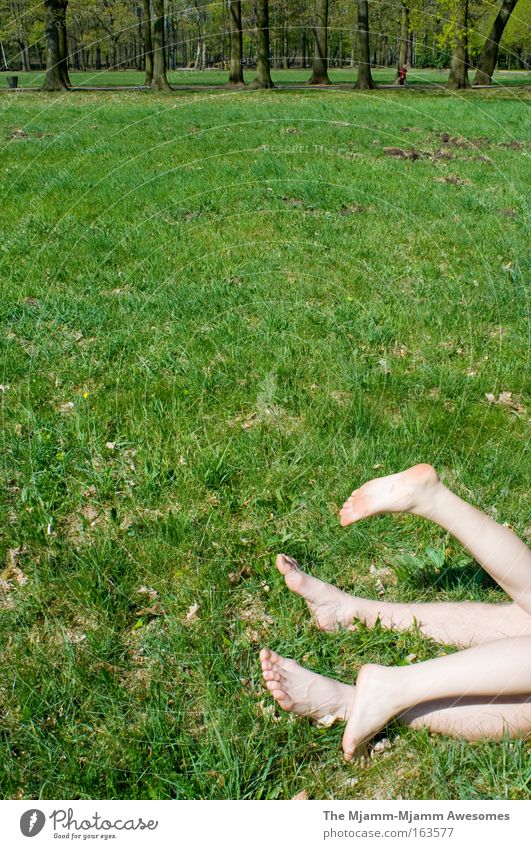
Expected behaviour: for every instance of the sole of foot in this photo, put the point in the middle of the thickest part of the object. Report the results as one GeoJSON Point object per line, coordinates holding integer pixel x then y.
{"type": "Point", "coordinates": [406, 491]}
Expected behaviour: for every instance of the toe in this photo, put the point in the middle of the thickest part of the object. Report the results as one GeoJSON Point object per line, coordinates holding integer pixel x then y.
{"type": "Point", "coordinates": [283, 564]}
{"type": "Point", "coordinates": [271, 676]}
{"type": "Point", "coordinates": [265, 654]}
{"type": "Point", "coordinates": [281, 697]}
{"type": "Point", "coordinates": [287, 565]}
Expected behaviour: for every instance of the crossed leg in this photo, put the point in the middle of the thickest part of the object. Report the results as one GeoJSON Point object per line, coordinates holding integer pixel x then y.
{"type": "Point", "coordinates": [482, 692]}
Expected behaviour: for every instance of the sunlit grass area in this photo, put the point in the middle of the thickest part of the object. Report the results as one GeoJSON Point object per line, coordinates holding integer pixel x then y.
{"type": "Point", "coordinates": [219, 313]}
{"type": "Point", "coordinates": [344, 76]}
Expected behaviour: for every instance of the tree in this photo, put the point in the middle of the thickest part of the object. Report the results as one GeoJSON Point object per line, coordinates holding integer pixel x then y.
{"type": "Point", "coordinates": [459, 66]}
{"type": "Point", "coordinates": [16, 24]}
{"type": "Point", "coordinates": [236, 43]}
{"type": "Point", "coordinates": [489, 55]}
{"type": "Point", "coordinates": [263, 70]}
{"type": "Point", "coordinates": [160, 80]}
{"type": "Point", "coordinates": [148, 44]}
{"type": "Point", "coordinates": [320, 56]}
{"type": "Point", "coordinates": [404, 37]}
{"type": "Point", "coordinates": [56, 59]}
{"type": "Point", "coordinates": [201, 16]}
{"type": "Point", "coordinates": [365, 79]}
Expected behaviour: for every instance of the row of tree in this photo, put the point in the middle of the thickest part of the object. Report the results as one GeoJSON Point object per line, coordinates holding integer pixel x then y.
{"type": "Point", "coordinates": [155, 35]}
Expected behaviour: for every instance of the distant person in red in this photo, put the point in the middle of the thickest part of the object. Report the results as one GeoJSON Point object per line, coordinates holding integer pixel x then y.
{"type": "Point", "coordinates": [401, 79]}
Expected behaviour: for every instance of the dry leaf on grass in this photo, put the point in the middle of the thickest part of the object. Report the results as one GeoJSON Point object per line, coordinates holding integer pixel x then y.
{"type": "Point", "coordinates": [12, 574]}
{"type": "Point", "coordinates": [268, 711]}
{"type": "Point", "coordinates": [191, 616]}
{"type": "Point", "coordinates": [380, 747]}
{"type": "Point", "coordinates": [153, 610]}
{"type": "Point", "coordinates": [143, 590]}
{"type": "Point", "coordinates": [301, 795]}
{"type": "Point", "coordinates": [505, 399]}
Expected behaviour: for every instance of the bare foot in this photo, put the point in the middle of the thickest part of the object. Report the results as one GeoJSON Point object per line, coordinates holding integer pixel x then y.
{"type": "Point", "coordinates": [331, 607]}
{"type": "Point", "coordinates": [404, 492]}
{"type": "Point", "coordinates": [303, 692]}
{"type": "Point", "coordinates": [377, 699]}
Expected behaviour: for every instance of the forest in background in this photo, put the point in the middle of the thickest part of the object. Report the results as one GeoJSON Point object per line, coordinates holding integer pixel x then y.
{"type": "Point", "coordinates": [112, 33]}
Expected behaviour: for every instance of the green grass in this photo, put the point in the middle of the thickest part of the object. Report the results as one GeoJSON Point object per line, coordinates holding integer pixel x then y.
{"type": "Point", "coordinates": [384, 76]}
{"type": "Point", "coordinates": [247, 307]}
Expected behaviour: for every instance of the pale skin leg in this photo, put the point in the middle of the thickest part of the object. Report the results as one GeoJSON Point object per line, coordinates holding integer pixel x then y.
{"type": "Point", "coordinates": [419, 491]}
{"type": "Point", "coordinates": [475, 713]}
{"type": "Point", "coordinates": [494, 678]}
{"type": "Point", "coordinates": [463, 623]}
{"type": "Point", "coordinates": [501, 668]}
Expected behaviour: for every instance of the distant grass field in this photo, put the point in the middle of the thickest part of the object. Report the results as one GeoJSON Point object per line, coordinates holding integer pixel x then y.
{"type": "Point", "coordinates": [345, 76]}
{"type": "Point", "coordinates": [219, 313]}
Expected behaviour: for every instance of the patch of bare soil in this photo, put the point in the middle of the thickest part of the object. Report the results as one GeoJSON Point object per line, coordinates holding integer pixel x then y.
{"type": "Point", "coordinates": [453, 179]}
{"type": "Point", "coordinates": [399, 153]}
{"type": "Point", "coordinates": [352, 209]}
{"type": "Point", "coordinates": [513, 145]}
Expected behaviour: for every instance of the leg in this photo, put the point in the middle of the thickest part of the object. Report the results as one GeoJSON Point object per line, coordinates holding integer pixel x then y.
{"type": "Point", "coordinates": [472, 717]}
{"type": "Point", "coordinates": [500, 669]}
{"type": "Point", "coordinates": [478, 718]}
{"type": "Point", "coordinates": [418, 490]}
{"type": "Point", "coordinates": [460, 623]}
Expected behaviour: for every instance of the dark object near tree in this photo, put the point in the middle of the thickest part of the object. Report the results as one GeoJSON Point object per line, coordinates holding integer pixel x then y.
{"type": "Point", "coordinates": [320, 56]}
{"type": "Point", "coordinates": [12, 82]}
{"type": "Point", "coordinates": [236, 43]}
{"type": "Point", "coordinates": [263, 70]}
{"type": "Point", "coordinates": [160, 80]}
{"type": "Point", "coordinates": [489, 55]}
{"type": "Point", "coordinates": [365, 79]}
{"type": "Point", "coordinates": [459, 67]}
{"type": "Point", "coordinates": [148, 44]}
{"type": "Point", "coordinates": [56, 46]}
{"type": "Point", "coordinates": [402, 76]}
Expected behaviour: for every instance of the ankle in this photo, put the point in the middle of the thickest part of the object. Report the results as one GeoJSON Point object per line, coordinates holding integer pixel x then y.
{"type": "Point", "coordinates": [428, 497]}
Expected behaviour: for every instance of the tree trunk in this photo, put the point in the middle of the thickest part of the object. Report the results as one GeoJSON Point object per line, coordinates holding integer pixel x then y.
{"type": "Point", "coordinates": [459, 68]}
{"type": "Point", "coordinates": [489, 55]}
{"type": "Point", "coordinates": [25, 57]}
{"type": "Point", "coordinates": [55, 11]}
{"type": "Point", "coordinates": [263, 70]}
{"type": "Point", "coordinates": [320, 56]}
{"type": "Point", "coordinates": [365, 79]}
{"type": "Point", "coordinates": [236, 43]}
{"type": "Point", "coordinates": [63, 46]}
{"type": "Point", "coordinates": [139, 48]}
{"type": "Point", "coordinates": [404, 37]}
{"type": "Point", "coordinates": [159, 52]}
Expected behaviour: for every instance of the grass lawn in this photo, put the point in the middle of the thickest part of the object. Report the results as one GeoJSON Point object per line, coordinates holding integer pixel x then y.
{"type": "Point", "coordinates": [346, 76]}
{"type": "Point", "coordinates": [219, 313]}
